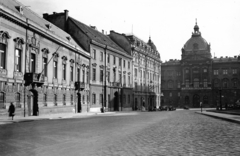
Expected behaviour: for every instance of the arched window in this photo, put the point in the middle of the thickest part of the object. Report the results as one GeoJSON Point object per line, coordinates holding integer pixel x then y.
{"type": "Point", "coordinates": [170, 84]}
{"type": "Point", "coordinates": [205, 99]}
{"type": "Point", "coordinates": [234, 83]}
{"type": "Point", "coordinates": [3, 48]}
{"type": "Point", "coordinates": [225, 83]}
{"type": "Point", "coordinates": [18, 54]}
{"type": "Point", "coordinates": [216, 83]}
{"type": "Point", "coordinates": [2, 100]}
{"type": "Point", "coordinates": [205, 83]}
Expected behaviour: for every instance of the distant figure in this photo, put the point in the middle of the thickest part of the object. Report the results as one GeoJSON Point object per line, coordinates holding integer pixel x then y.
{"type": "Point", "coordinates": [11, 110]}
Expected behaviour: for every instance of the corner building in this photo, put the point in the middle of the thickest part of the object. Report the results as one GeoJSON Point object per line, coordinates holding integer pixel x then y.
{"type": "Point", "coordinates": [146, 68]}
{"type": "Point", "coordinates": [198, 77]}
{"type": "Point", "coordinates": [33, 49]}
{"type": "Point", "coordinates": [110, 66]}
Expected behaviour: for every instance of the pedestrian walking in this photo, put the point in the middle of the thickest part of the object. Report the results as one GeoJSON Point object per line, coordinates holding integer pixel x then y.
{"type": "Point", "coordinates": [11, 110]}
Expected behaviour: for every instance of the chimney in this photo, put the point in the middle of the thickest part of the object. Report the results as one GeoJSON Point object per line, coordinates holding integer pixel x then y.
{"type": "Point", "coordinates": [54, 13]}
{"type": "Point", "coordinates": [66, 15]}
{"type": "Point", "coordinates": [103, 31]}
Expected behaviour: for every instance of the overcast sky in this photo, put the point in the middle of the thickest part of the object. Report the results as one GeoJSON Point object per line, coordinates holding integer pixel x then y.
{"type": "Point", "coordinates": [168, 22]}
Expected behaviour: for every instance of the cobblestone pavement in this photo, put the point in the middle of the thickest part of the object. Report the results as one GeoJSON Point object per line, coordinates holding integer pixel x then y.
{"type": "Point", "coordinates": [124, 134]}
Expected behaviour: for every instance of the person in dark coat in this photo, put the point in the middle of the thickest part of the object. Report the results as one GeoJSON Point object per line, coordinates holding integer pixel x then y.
{"type": "Point", "coordinates": [11, 110]}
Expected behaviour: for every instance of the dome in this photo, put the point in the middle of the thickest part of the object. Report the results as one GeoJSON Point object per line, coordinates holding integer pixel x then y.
{"type": "Point", "coordinates": [196, 42]}
{"type": "Point", "coordinates": [151, 44]}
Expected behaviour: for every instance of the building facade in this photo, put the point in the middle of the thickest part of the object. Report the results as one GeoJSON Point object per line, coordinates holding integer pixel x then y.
{"type": "Point", "coordinates": [39, 64]}
{"type": "Point", "coordinates": [198, 77]}
{"type": "Point", "coordinates": [110, 67]}
{"type": "Point", "coordinates": [146, 69]}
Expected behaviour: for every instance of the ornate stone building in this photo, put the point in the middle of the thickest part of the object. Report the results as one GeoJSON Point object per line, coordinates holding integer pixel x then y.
{"type": "Point", "coordinates": [38, 63]}
{"type": "Point", "coordinates": [110, 67]}
{"type": "Point", "coordinates": [146, 68]}
{"type": "Point", "coordinates": [198, 77]}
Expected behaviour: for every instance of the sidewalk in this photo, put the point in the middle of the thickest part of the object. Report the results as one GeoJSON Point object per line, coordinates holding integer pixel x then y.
{"type": "Point", "coordinates": [16, 119]}
{"type": "Point", "coordinates": [224, 116]}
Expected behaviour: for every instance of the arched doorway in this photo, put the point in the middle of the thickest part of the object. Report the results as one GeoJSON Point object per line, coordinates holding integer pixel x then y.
{"type": "Point", "coordinates": [32, 103]}
{"type": "Point", "coordinates": [196, 100]}
{"type": "Point", "coordinates": [205, 99]}
{"type": "Point", "coordinates": [79, 106]}
{"type": "Point", "coordinates": [116, 107]}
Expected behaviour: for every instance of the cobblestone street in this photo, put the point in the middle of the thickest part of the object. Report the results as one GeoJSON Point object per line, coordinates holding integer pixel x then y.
{"type": "Point", "coordinates": [135, 133]}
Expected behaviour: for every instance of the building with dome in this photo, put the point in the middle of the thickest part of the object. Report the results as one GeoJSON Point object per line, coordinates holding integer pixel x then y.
{"type": "Point", "coordinates": [146, 68]}
{"type": "Point", "coordinates": [198, 77]}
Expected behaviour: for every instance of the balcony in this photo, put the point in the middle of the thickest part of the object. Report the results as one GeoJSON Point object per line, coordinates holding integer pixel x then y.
{"type": "Point", "coordinates": [34, 78]}
{"type": "Point", "coordinates": [79, 86]}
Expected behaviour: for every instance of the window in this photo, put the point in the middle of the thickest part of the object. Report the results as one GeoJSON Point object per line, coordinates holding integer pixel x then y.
{"type": "Point", "coordinates": [114, 76]}
{"type": "Point", "coordinates": [225, 72]}
{"type": "Point", "coordinates": [18, 56]}
{"type": "Point", "coordinates": [64, 71]}
{"type": "Point", "coordinates": [205, 83]}
{"type": "Point", "coordinates": [108, 76]}
{"type": "Point", "coordinates": [87, 98]}
{"type": "Point", "coordinates": [94, 54]}
{"type": "Point", "coordinates": [120, 77]}
{"type": "Point", "coordinates": [87, 74]}
{"type": "Point", "coordinates": [33, 63]}
{"type": "Point", "coordinates": [225, 83]}
{"type": "Point", "coordinates": [94, 98]}
{"type": "Point", "coordinates": [178, 73]}
{"type": "Point", "coordinates": [2, 55]}
{"type": "Point", "coordinates": [178, 84]}
{"type": "Point", "coordinates": [55, 99]}
{"type": "Point", "coordinates": [205, 70]}
{"type": "Point", "coordinates": [109, 101]}
{"type": "Point", "coordinates": [128, 64]}
{"type": "Point", "coordinates": [83, 75]}
{"type": "Point", "coordinates": [144, 74]}
{"type": "Point", "coordinates": [45, 66]}
{"type": "Point", "coordinates": [101, 75]}
{"type": "Point", "coordinates": [186, 71]}
{"type": "Point", "coordinates": [187, 83]}
{"type": "Point", "coordinates": [78, 74]}
{"type": "Point", "coordinates": [100, 98]}
{"type": "Point", "coordinates": [94, 74]}
{"type": "Point", "coordinates": [71, 99]}
{"type": "Point", "coordinates": [17, 99]}
{"type": "Point", "coordinates": [129, 80]}
{"type": "Point", "coordinates": [179, 94]}
{"type": "Point", "coordinates": [234, 71]}
{"type": "Point", "coordinates": [2, 99]}
{"type": "Point", "coordinates": [234, 83]}
{"type": "Point", "coordinates": [64, 99]}
{"type": "Point", "coordinates": [124, 79]}
{"type": "Point", "coordinates": [114, 60]}
{"type": "Point", "coordinates": [170, 84]}
{"type": "Point", "coordinates": [54, 69]}
{"type": "Point", "coordinates": [71, 73]}
{"type": "Point", "coordinates": [45, 99]}
{"type": "Point", "coordinates": [108, 58]}
{"type": "Point", "coordinates": [83, 99]}
{"type": "Point", "coordinates": [135, 72]}
{"type": "Point", "coordinates": [216, 83]}
{"type": "Point", "coordinates": [124, 63]}
{"type": "Point", "coordinates": [135, 85]}
{"type": "Point", "coordinates": [170, 94]}
{"type": "Point", "coordinates": [196, 83]}
{"type": "Point", "coordinates": [101, 56]}
{"type": "Point", "coordinates": [215, 72]}
{"type": "Point", "coordinates": [120, 62]}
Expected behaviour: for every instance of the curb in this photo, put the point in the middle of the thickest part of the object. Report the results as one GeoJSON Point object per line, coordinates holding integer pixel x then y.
{"type": "Point", "coordinates": [218, 117]}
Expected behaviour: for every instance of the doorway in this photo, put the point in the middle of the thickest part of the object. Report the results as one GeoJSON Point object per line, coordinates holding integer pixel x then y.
{"type": "Point", "coordinates": [116, 107]}
{"type": "Point", "coordinates": [196, 101]}
{"type": "Point", "coordinates": [32, 103]}
{"type": "Point", "coordinates": [79, 106]}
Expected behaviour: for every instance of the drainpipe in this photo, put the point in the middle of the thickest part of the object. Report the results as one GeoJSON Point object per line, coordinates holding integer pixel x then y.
{"type": "Point", "coordinates": [24, 99]}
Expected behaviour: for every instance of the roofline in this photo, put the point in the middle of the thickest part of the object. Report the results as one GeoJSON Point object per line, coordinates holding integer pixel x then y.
{"type": "Point", "coordinates": [28, 23]}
